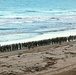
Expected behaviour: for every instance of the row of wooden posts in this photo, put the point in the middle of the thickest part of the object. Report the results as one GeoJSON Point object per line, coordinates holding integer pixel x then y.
{"type": "Point", "coordinates": [28, 45]}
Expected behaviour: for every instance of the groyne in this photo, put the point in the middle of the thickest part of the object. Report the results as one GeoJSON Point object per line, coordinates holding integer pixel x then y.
{"type": "Point", "coordinates": [28, 45]}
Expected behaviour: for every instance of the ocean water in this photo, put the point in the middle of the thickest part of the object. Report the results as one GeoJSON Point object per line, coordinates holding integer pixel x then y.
{"type": "Point", "coordinates": [31, 20]}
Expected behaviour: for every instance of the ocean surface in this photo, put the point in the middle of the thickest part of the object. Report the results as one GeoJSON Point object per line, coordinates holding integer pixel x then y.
{"type": "Point", "coordinates": [32, 20]}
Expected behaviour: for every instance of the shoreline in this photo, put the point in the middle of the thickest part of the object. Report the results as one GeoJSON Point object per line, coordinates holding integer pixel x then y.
{"type": "Point", "coordinates": [45, 36]}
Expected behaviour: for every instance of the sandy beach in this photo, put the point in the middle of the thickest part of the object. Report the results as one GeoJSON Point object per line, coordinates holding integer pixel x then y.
{"type": "Point", "coordinates": [43, 60]}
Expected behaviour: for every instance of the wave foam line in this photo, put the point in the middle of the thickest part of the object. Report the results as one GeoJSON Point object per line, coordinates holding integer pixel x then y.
{"type": "Point", "coordinates": [42, 37]}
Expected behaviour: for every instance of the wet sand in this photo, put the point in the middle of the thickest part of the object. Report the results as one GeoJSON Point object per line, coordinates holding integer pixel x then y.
{"type": "Point", "coordinates": [44, 60]}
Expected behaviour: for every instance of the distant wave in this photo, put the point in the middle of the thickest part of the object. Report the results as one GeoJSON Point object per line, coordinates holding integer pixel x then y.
{"type": "Point", "coordinates": [1, 15]}
{"type": "Point", "coordinates": [38, 32]}
{"type": "Point", "coordinates": [25, 11]}
{"type": "Point", "coordinates": [31, 11]}
{"type": "Point", "coordinates": [42, 32]}
{"type": "Point", "coordinates": [8, 28]}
